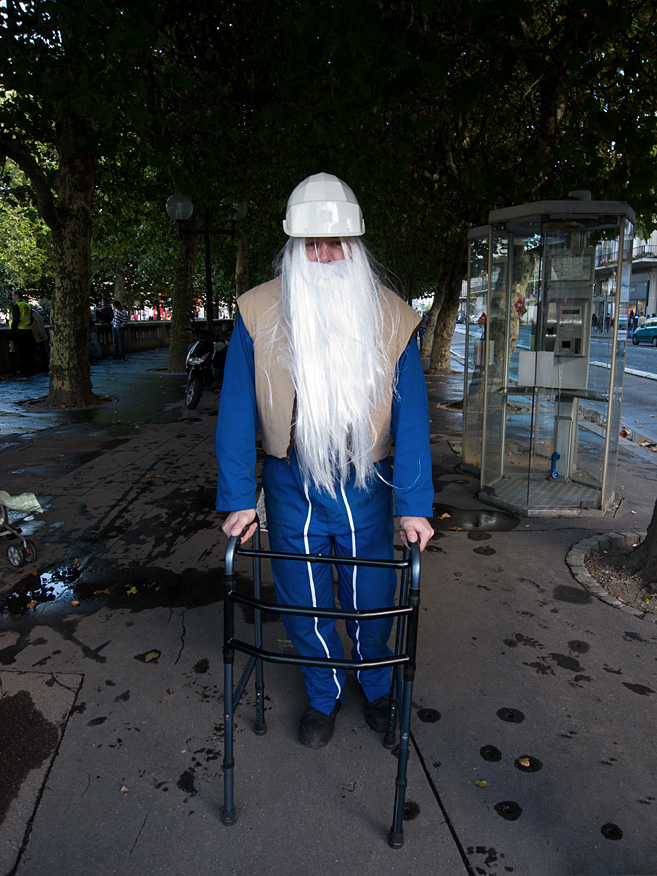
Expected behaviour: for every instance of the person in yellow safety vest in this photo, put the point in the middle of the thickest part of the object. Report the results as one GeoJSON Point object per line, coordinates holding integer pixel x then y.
{"type": "Point", "coordinates": [21, 330]}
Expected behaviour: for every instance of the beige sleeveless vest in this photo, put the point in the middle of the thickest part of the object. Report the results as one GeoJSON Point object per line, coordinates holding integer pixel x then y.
{"type": "Point", "coordinates": [275, 395]}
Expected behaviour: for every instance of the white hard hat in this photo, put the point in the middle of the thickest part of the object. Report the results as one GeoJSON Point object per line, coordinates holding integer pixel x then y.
{"type": "Point", "coordinates": [323, 206]}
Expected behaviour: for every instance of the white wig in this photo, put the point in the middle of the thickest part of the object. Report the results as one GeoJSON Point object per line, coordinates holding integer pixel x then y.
{"type": "Point", "coordinates": [332, 324]}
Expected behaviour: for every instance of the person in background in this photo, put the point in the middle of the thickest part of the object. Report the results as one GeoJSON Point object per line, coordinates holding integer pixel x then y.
{"type": "Point", "coordinates": [104, 313]}
{"type": "Point", "coordinates": [120, 321]}
{"type": "Point", "coordinates": [21, 333]}
{"type": "Point", "coordinates": [40, 337]}
{"type": "Point", "coordinates": [95, 353]}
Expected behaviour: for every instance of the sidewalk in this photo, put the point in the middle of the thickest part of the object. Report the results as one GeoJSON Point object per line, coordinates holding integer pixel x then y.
{"type": "Point", "coordinates": [111, 711]}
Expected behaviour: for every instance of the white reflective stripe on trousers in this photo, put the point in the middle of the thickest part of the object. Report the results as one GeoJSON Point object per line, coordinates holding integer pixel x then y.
{"type": "Point", "coordinates": [353, 574]}
{"type": "Point", "coordinates": [311, 581]}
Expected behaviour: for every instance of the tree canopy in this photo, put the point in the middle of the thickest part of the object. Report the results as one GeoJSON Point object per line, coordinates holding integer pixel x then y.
{"type": "Point", "coordinates": [434, 111]}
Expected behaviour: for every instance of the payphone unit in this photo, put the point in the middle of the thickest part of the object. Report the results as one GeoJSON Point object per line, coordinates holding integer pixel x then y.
{"type": "Point", "coordinates": [570, 275]}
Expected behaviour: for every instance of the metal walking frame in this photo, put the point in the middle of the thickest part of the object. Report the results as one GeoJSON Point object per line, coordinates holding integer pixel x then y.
{"type": "Point", "coordinates": [406, 613]}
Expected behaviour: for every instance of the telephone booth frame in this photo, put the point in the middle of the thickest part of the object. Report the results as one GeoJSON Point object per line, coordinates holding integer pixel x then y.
{"type": "Point", "coordinates": [546, 333]}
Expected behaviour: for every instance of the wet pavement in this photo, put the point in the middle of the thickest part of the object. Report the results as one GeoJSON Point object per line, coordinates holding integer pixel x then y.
{"type": "Point", "coordinates": [533, 744]}
{"type": "Point", "coordinates": [135, 390]}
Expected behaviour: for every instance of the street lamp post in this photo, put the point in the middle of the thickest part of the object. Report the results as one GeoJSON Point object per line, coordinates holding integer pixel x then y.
{"type": "Point", "coordinates": [180, 208]}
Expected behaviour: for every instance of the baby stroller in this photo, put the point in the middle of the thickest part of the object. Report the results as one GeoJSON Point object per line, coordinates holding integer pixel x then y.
{"type": "Point", "coordinates": [25, 550]}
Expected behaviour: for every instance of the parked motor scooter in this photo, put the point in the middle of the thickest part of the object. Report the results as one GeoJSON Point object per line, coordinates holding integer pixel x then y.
{"type": "Point", "coordinates": [205, 364]}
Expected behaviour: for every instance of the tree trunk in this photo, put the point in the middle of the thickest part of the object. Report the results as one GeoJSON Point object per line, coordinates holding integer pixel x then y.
{"type": "Point", "coordinates": [70, 381]}
{"type": "Point", "coordinates": [644, 558]}
{"type": "Point", "coordinates": [182, 300]}
{"type": "Point", "coordinates": [450, 279]}
{"type": "Point", "coordinates": [241, 269]}
{"type": "Point", "coordinates": [119, 285]}
{"type": "Point", "coordinates": [432, 320]}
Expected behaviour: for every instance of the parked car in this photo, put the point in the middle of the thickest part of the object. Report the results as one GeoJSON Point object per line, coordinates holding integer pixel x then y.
{"type": "Point", "coordinates": [646, 333]}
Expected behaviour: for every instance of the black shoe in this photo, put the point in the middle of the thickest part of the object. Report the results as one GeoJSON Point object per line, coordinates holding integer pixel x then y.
{"type": "Point", "coordinates": [377, 712]}
{"type": "Point", "coordinates": [316, 728]}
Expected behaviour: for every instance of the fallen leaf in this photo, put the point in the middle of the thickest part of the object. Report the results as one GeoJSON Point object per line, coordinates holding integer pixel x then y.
{"type": "Point", "coordinates": [524, 761]}
{"type": "Point", "coordinates": [125, 789]}
{"type": "Point", "coordinates": [76, 563]}
{"type": "Point", "coordinates": [133, 591]}
{"type": "Point", "coordinates": [444, 516]}
{"type": "Point", "coordinates": [152, 655]}
{"type": "Point", "coordinates": [75, 602]}
{"type": "Point", "coordinates": [456, 529]}
{"type": "Point", "coordinates": [34, 604]}
{"type": "Point", "coordinates": [480, 783]}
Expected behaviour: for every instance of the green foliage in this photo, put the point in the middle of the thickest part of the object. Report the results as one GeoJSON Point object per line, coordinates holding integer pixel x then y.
{"type": "Point", "coordinates": [25, 260]}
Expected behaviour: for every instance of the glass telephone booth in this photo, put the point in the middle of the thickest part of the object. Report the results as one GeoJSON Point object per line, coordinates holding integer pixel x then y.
{"type": "Point", "coordinates": [548, 293]}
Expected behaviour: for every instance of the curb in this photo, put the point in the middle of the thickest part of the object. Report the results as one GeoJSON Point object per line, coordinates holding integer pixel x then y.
{"type": "Point", "coordinates": [575, 559]}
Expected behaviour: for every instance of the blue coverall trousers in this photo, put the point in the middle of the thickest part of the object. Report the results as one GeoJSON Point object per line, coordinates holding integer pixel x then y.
{"type": "Point", "coordinates": [302, 519]}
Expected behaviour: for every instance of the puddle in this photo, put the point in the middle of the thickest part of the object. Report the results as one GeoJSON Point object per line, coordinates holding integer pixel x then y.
{"type": "Point", "coordinates": [490, 753]}
{"type": "Point", "coordinates": [508, 809]}
{"type": "Point", "coordinates": [528, 764]}
{"type": "Point", "coordinates": [36, 590]}
{"type": "Point", "coordinates": [86, 585]}
{"type": "Point", "coordinates": [428, 716]}
{"type": "Point", "coordinates": [479, 519]}
{"type": "Point", "coordinates": [611, 831]}
{"type": "Point", "coordinates": [511, 716]}
{"type": "Point", "coordinates": [411, 810]}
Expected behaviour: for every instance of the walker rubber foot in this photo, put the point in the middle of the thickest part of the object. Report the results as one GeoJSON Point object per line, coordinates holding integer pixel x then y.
{"type": "Point", "coordinates": [260, 729]}
{"type": "Point", "coordinates": [228, 818]}
{"type": "Point", "coordinates": [395, 840]}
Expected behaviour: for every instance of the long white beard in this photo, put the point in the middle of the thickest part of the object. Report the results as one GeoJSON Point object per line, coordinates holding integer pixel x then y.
{"type": "Point", "coordinates": [332, 325]}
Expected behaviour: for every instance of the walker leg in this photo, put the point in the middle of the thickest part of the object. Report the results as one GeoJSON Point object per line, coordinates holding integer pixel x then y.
{"type": "Point", "coordinates": [396, 832]}
{"type": "Point", "coordinates": [228, 813]}
{"type": "Point", "coordinates": [389, 738]}
{"type": "Point", "coordinates": [396, 687]}
{"type": "Point", "coordinates": [260, 723]}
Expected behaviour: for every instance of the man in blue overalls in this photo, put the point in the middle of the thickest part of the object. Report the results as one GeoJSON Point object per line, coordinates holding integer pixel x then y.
{"type": "Point", "coordinates": [321, 361]}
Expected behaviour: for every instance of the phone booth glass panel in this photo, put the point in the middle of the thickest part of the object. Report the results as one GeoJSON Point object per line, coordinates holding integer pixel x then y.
{"type": "Point", "coordinates": [475, 345]}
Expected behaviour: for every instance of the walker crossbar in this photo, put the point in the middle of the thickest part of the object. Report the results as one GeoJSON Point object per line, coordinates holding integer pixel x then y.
{"type": "Point", "coordinates": [325, 558]}
{"type": "Point", "coordinates": [322, 662]}
{"type": "Point", "coordinates": [404, 655]}
{"type": "Point", "coordinates": [311, 611]}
